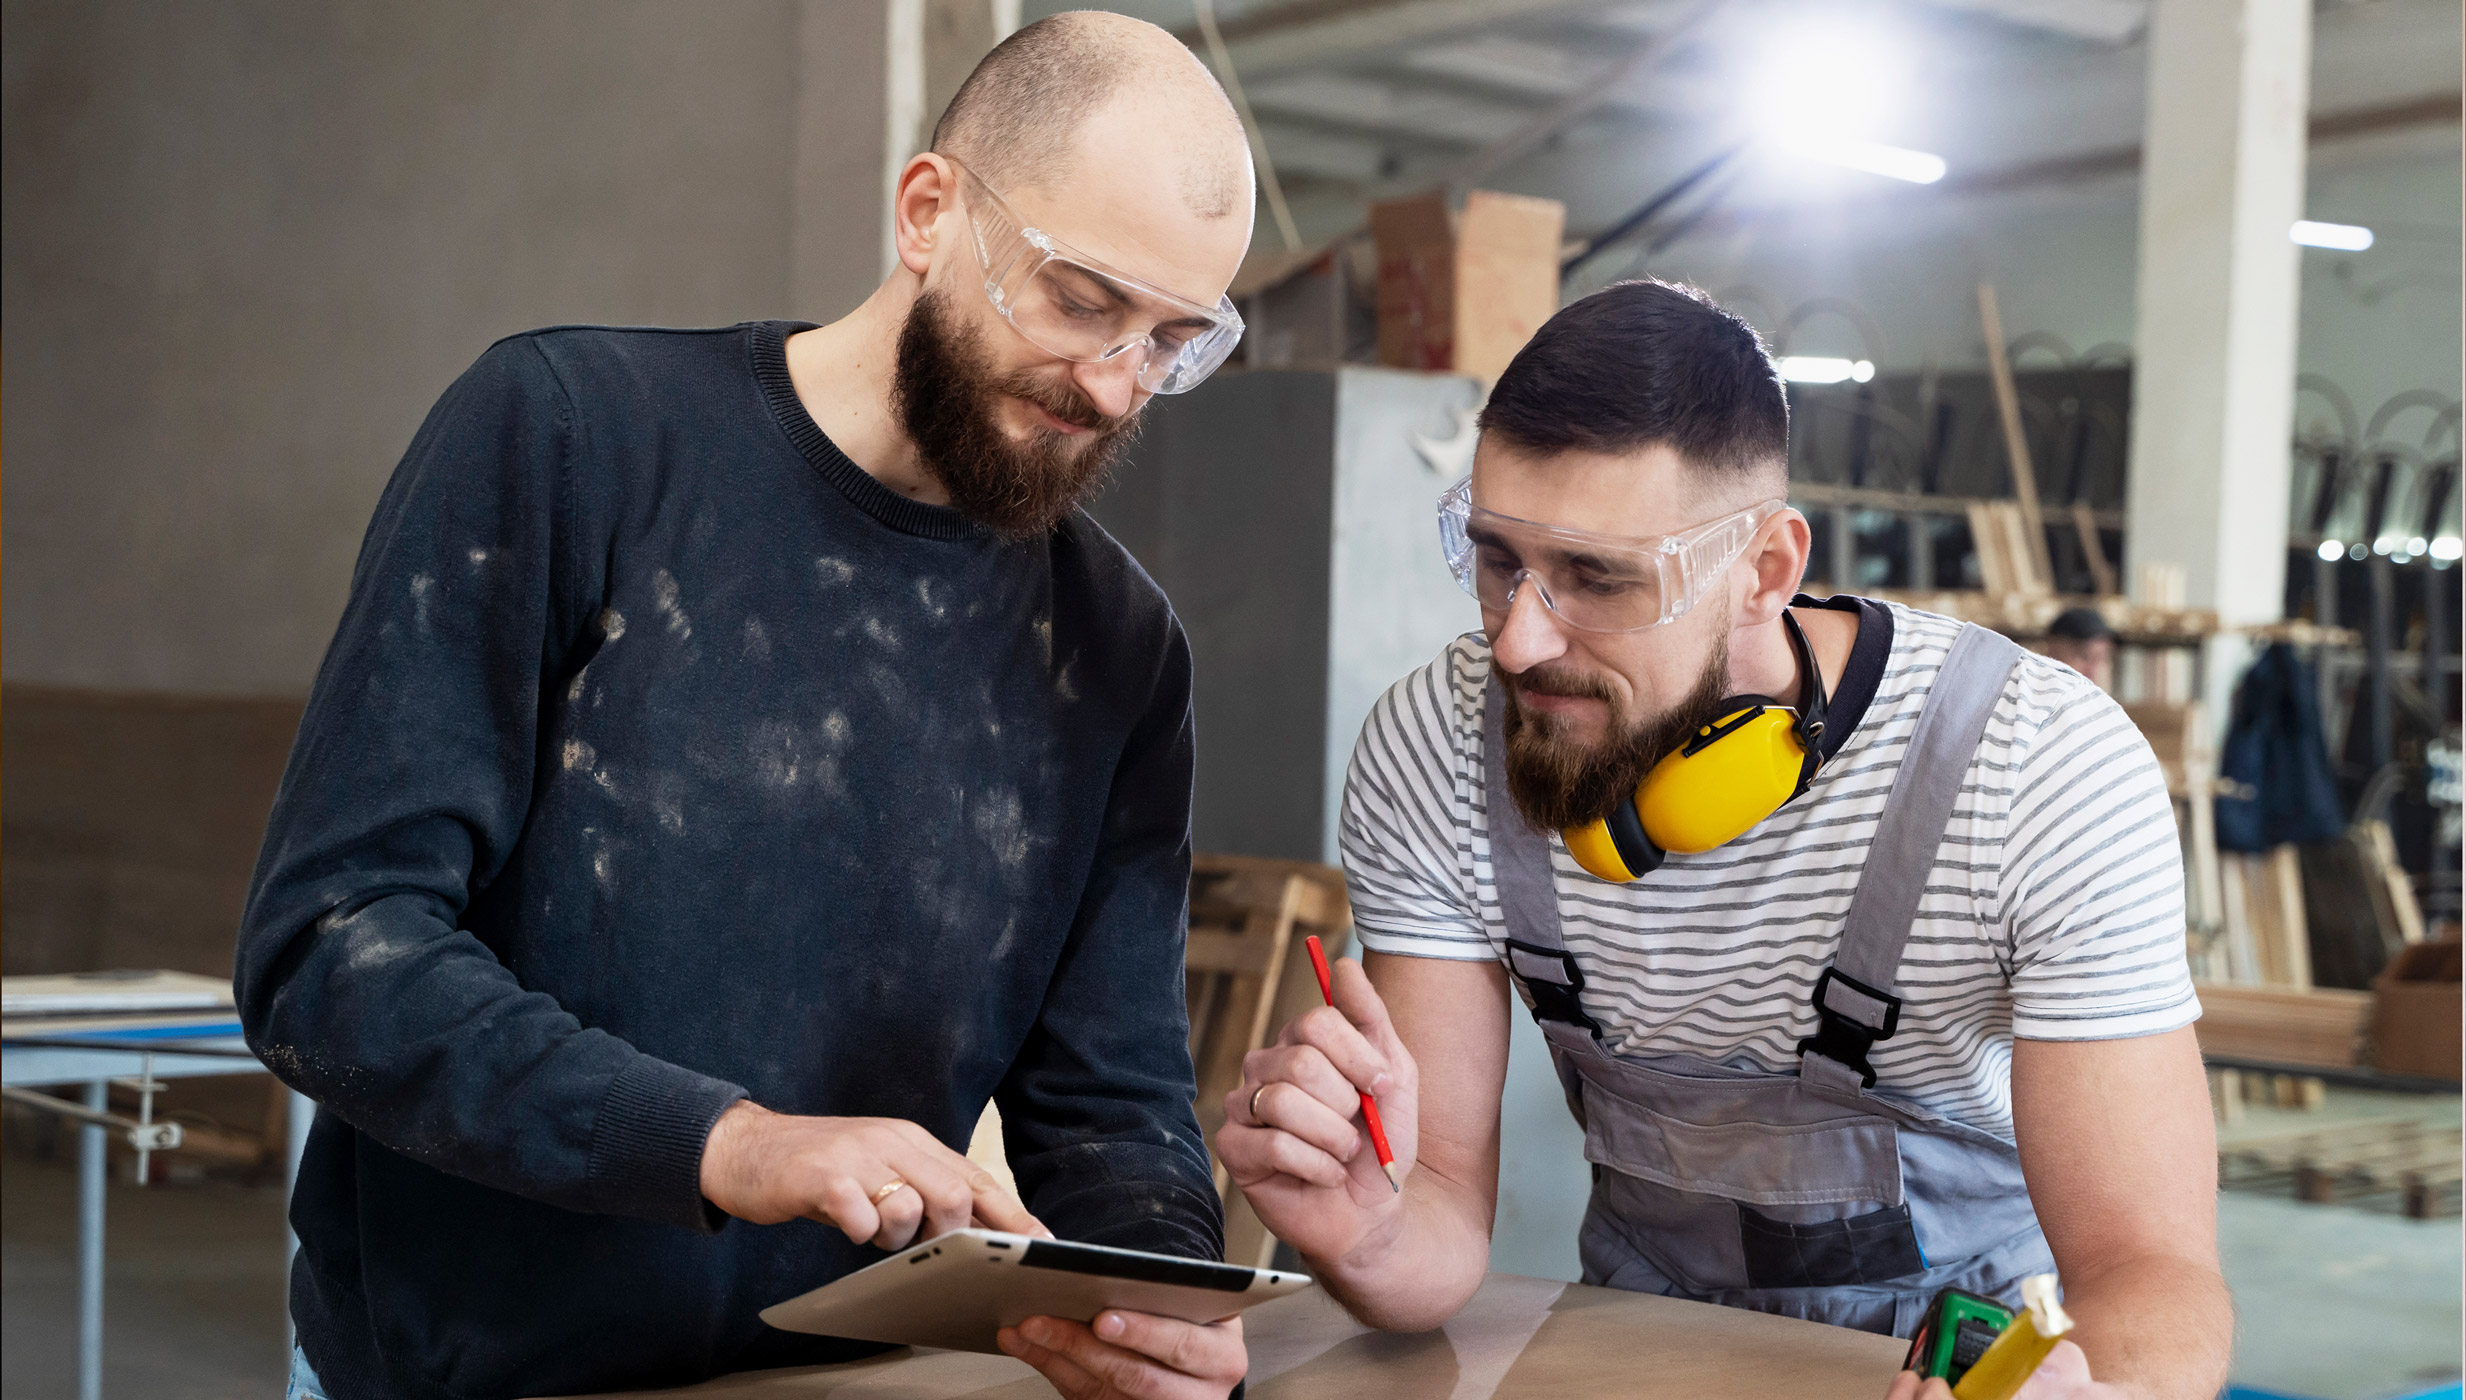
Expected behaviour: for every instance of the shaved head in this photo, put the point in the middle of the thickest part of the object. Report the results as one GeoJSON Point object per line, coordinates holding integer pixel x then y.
{"type": "Point", "coordinates": [1021, 118]}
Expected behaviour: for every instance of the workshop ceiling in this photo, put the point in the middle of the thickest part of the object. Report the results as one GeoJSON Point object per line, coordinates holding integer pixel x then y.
{"type": "Point", "coordinates": [1358, 99]}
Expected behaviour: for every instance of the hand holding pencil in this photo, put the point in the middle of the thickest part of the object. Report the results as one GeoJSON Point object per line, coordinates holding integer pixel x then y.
{"type": "Point", "coordinates": [1321, 1132]}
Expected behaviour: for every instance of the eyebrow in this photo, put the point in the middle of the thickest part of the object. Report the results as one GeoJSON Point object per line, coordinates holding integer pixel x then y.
{"type": "Point", "coordinates": [1572, 559]}
{"type": "Point", "coordinates": [1103, 285]}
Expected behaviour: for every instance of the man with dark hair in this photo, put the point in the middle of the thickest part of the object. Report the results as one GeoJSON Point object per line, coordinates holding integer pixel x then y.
{"type": "Point", "coordinates": [2081, 639]}
{"type": "Point", "coordinates": [1856, 935]}
{"type": "Point", "coordinates": [740, 760]}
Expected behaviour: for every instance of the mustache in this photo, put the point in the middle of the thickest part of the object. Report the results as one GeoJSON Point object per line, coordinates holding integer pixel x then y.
{"type": "Point", "coordinates": [1565, 684]}
{"type": "Point", "coordinates": [1061, 400]}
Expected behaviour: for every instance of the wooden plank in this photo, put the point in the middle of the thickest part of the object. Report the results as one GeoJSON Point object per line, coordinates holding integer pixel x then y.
{"type": "Point", "coordinates": [2319, 1027]}
{"type": "Point", "coordinates": [1236, 954]}
{"type": "Point", "coordinates": [2016, 439]}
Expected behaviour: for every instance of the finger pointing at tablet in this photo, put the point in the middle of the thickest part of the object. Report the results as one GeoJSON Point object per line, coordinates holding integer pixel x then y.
{"type": "Point", "coordinates": [881, 1180]}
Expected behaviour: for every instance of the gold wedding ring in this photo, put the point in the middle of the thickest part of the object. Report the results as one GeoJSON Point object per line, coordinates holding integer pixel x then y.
{"type": "Point", "coordinates": [896, 1186]}
{"type": "Point", "coordinates": [1254, 1106]}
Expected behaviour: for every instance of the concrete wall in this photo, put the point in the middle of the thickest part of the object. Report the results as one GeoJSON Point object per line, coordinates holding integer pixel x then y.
{"type": "Point", "coordinates": [248, 243]}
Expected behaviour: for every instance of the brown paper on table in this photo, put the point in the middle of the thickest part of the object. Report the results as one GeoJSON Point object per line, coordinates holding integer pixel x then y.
{"type": "Point", "coordinates": [1518, 1339]}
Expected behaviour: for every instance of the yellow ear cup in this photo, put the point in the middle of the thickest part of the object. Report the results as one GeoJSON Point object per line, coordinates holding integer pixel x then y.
{"type": "Point", "coordinates": [1596, 852]}
{"type": "Point", "coordinates": [1693, 802]}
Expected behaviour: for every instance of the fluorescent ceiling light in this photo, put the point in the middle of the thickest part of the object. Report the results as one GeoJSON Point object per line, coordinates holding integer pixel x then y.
{"type": "Point", "coordinates": [1874, 157]}
{"type": "Point", "coordinates": [1822, 369]}
{"type": "Point", "coordinates": [2345, 238]}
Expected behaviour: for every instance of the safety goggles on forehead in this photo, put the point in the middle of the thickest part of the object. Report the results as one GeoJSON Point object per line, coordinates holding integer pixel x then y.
{"type": "Point", "coordinates": [1595, 583]}
{"type": "Point", "coordinates": [1070, 305]}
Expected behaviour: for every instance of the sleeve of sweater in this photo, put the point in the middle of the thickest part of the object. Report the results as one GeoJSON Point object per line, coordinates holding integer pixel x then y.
{"type": "Point", "coordinates": [1096, 1110]}
{"type": "Point", "coordinates": [407, 787]}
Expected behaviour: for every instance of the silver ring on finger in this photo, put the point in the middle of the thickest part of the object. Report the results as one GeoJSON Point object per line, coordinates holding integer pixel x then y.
{"type": "Point", "coordinates": [1254, 1106]}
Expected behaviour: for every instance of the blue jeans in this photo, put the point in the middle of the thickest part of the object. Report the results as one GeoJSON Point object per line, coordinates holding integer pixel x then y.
{"type": "Point", "coordinates": [303, 1384]}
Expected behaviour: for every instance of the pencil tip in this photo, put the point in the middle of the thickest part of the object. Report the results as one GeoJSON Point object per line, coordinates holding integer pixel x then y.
{"type": "Point", "coordinates": [1393, 1180]}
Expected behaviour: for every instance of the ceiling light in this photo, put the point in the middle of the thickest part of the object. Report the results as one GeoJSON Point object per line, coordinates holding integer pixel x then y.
{"type": "Point", "coordinates": [2345, 238]}
{"type": "Point", "coordinates": [1827, 87]}
{"type": "Point", "coordinates": [1874, 157]}
{"type": "Point", "coordinates": [2446, 547]}
{"type": "Point", "coordinates": [2331, 549]}
{"type": "Point", "coordinates": [1823, 369]}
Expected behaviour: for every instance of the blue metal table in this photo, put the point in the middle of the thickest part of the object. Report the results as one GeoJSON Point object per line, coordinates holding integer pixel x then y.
{"type": "Point", "coordinates": [90, 1053]}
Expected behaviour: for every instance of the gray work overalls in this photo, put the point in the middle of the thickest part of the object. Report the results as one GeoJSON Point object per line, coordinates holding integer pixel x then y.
{"type": "Point", "coordinates": [1805, 1194]}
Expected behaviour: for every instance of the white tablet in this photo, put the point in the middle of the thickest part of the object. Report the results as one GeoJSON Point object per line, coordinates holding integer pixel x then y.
{"type": "Point", "coordinates": [955, 1291]}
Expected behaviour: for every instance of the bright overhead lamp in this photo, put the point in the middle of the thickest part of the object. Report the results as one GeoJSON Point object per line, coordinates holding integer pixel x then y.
{"type": "Point", "coordinates": [1826, 86]}
{"type": "Point", "coordinates": [1873, 157]}
{"type": "Point", "coordinates": [2332, 549]}
{"type": "Point", "coordinates": [2344, 238]}
{"type": "Point", "coordinates": [1824, 369]}
{"type": "Point", "coordinates": [2446, 548]}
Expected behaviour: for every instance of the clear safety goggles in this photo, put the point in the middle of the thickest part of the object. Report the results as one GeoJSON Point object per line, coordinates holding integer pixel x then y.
{"type": "Point", "coordinates": [1070, 305]}
{"type": "Point", "coordinates": [1595, 583]}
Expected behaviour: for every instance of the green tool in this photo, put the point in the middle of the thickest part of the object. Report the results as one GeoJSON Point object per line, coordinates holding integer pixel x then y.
{"type": "Point", "coordinates": [1957, 1330]}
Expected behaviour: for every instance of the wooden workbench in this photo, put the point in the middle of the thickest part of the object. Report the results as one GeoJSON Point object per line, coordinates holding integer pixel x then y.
{"type": "Point", "coordinates": [1519, 1339]}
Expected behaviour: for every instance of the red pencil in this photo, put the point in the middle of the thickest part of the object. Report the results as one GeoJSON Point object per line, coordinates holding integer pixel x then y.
{"type": "Point", "coordinates": [1369, 1105]}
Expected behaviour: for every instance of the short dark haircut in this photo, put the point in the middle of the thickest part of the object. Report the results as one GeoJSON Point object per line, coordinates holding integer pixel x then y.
{"type": "Point", "coordinates": [2080, 625]}
{"type": "Point", "coordinates": [1640, 363]}
{"type": "Point", "coordinates": [1016, 119]}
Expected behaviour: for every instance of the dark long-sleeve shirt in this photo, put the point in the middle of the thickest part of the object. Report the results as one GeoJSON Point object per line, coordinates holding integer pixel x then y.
{"type": "Point", "coordinates": [662, 758]}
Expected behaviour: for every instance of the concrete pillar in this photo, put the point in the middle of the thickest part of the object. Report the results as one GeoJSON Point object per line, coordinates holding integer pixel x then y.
{"type": "Point", "coordinates": [872, 76]}
{"type": "Point", "coordinates": [2214, 333]}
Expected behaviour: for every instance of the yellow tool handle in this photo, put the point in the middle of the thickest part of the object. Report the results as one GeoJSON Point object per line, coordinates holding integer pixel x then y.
{"type": "Point", "coordinates": [2017, 1350]}
{"type": "Point", "coordinates": [2007, 1364]}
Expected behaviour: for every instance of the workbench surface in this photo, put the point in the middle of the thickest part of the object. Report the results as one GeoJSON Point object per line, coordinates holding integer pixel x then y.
{"type": "Point", "coordinates": [1519, 1339]}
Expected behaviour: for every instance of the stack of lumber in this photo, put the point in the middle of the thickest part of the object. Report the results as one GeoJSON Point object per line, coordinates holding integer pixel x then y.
{"type": "Point", "coordinates": [2265, 938]}
{"type": "Point", "coordinates": [2319, 1026]}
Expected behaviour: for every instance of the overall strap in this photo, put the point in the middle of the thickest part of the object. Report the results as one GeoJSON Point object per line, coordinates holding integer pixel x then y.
{"type": "Point", "coordinates": [1527, 886]}
{"type": "Point", "coordinates": [1854, 1001]}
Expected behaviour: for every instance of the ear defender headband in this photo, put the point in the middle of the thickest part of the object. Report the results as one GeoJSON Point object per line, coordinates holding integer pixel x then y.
{"type": "Point", "coordinates": [1735, 772]}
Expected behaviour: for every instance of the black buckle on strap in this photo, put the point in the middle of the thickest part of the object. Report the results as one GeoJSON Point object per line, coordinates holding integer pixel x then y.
{"type": "Point", "coordinates": [1552, 1001]}
{"type": "Point", "coordinates": [1842, 1040]}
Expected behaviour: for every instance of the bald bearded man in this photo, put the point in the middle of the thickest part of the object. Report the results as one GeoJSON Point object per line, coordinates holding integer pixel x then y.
{"type": "Point", "coordinates": [738, 762]}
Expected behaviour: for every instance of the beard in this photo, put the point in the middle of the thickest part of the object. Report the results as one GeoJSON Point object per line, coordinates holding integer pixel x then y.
{"type": "Point", "coordinates": [1558, 781]}
{"type": "Point", "coordinates": [946, 391]}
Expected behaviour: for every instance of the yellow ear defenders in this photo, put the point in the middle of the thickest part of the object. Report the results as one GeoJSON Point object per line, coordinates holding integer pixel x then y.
{"type": "Point", "coordinates": [1735, 772]}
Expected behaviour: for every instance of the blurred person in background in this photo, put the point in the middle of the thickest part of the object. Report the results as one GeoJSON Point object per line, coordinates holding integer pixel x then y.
{"type": "Point", "coordinates": [2080, 638]}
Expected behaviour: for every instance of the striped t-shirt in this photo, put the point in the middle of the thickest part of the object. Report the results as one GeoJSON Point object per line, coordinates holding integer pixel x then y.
{"type": "Point", "coordinates": [2055, 910]}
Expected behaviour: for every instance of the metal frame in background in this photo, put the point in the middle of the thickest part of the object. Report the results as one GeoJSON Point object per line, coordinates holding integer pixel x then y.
{"type": "Point", "coordinates": [182, 1047]}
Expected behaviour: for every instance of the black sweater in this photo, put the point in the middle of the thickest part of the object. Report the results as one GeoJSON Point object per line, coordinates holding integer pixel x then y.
{"type": "Point", "coordinates": [663, 757]}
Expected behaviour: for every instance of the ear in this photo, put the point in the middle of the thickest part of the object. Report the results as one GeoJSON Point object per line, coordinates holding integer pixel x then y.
{"type": "Point", "coordinates": [1774, 565]}
{"type": "Point", "coordinates": [928, 189]}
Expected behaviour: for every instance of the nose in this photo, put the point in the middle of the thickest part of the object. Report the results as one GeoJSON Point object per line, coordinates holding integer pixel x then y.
{"type": "Point", "coordinates": [1111, 385]}
{"type": "Point", "coordinates": [1530, 634]}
